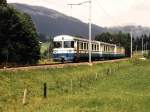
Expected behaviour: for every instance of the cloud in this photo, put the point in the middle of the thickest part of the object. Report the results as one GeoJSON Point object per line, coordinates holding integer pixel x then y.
{"type": "Point", "coordinates": [139, 13]}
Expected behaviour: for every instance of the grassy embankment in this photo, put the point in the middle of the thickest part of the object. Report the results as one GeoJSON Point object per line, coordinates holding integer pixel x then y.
{"type": "Point", "coordinates": [115, 87]}
{"type": "Point", "coordinates": [46, 60]}
{"type": "Point", "coordinates": [44, 46]}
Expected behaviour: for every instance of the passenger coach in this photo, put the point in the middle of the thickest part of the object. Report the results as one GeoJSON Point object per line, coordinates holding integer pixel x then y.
{"type": "Point", "coordinates": [69, 48]}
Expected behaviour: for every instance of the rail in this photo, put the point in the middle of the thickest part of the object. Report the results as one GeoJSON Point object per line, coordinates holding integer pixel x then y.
{"type": "Point", "coordinates": [59, 65]}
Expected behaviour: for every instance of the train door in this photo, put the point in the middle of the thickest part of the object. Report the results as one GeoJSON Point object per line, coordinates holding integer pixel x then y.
{"type": "Point", "coordinates": [78, 52]}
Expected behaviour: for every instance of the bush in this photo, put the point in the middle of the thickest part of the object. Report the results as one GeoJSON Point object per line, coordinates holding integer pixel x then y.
{"type": "Point", "coordinates": [147, 55]}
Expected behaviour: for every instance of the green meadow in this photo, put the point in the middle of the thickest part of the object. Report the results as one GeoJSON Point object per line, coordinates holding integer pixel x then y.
{"type": "Point", "coordinates": [109, 87]}
{"type": "Point", "coordinates": [44, 46]}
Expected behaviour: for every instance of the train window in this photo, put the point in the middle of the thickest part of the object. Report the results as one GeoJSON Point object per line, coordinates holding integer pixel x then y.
{"type": "Point", "coordinates": [104, 47]}
{"type": "Point", "coordinates": [85, 46]}
{"type": "Point", "coordinates": [92, 47]}
{"type": "Point", "coordinates": [58, 44]}
{"type": "Point", "coordinates": [97, 47]}
{"type": "Point", "coordinates": [68, 44]}
{"type": "Point", "coordinates": [82, 45]}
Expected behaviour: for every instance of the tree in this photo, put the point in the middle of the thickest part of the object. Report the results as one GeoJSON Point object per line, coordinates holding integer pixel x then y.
{"type": "Point", "coordinates": [42, 37]}
{"type": "Point", "coordinates": [120, 39]}
{"type": "Point", "coordinates": [47, 53]}
{"type": "Point", "coordinates": [3, 3]}
{"type": "Point", "coordinates": [104, 37]}
{"type": "Point", "coordinates": [51, 46]}
{"type": "Point", "coordinates": [18, 38]}
{"type": "Point", "coordinates": [137, 44]}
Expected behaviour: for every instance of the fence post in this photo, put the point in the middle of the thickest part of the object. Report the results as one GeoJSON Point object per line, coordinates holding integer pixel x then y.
{"type": "Point", "coordinates": [80, 82]}
{"type": "Point", "coordinates": [71, 85]}
{"type": "Point", "coordinates": [45, 90]}
{"type": "Point", "coordinates": [24, 97]}
{"type": "Point", "coordinates": [96, 75]}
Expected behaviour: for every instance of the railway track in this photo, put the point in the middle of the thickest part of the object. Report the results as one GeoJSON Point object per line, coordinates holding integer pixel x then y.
{"type": "Point", "coordinates": [59, 65]}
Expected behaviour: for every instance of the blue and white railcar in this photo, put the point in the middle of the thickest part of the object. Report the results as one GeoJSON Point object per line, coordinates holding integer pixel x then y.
{"type": "Point", "coordinates": [69, 48]}
{"type": "Point", "coordinates": [64, 48]}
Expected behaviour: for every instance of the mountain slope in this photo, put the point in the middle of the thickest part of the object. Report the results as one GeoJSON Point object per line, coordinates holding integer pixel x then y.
{"type": "Point", "coordinates": [51, 22]}
{"type": "Point", "coordinates": [136, 30]}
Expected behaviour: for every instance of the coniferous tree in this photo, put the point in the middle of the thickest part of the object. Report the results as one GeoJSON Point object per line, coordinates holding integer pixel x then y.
{"type": "Point", "coordinates": [3, 3]}
{"type": "Point", "coordinates": [120, 39]}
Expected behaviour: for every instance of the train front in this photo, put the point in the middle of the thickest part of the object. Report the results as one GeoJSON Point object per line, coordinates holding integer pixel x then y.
{"type": "Point", "coordinates": [63, 48]}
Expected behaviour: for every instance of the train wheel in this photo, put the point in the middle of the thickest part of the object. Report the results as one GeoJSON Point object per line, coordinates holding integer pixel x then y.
{"type": "Point", "coordinates": [62, 60]}
{"type": "Point", "coordinates": [76, 60]}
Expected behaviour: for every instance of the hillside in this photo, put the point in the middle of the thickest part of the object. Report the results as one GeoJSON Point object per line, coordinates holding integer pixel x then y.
{"type": "Point", "coordinates": [52, 23]}
{"type": "Point", "coordinates": [137, 30]}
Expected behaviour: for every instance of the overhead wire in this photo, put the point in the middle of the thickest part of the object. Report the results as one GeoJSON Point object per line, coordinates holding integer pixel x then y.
{"type": "Point", "coordinates": [103, 9]}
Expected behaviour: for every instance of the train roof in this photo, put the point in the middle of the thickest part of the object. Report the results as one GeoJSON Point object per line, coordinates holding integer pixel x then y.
{"type": "Point", "coordinates": [71, 38]}
{"type": "Point", "coordinates": [67, 38]}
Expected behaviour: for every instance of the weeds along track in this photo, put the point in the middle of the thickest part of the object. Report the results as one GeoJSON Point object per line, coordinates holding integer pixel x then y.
{"type": "Point", "coordinates": [59, 65]}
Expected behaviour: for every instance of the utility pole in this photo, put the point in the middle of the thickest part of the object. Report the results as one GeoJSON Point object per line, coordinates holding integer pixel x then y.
{"type": "Point", "coordinates": [146, 47]}
{"type": "Point", "coordinates": [136, 48]}
{"type": "Point", "coordinates": [90, 29]}
{"type": "Point", "coordinates": [142, 45]}
{"type": "Point", "coordinates": [90, 24]}
{"type": "Point", "coordinates": [131, 44]}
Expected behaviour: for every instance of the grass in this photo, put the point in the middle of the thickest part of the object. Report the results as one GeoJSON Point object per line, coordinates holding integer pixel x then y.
{"type": "Point", "coordinates": [116, 87]}
{"type": "Point", "coordinates": [45, 59]}
{"type": "Point", "coordinates": [44, 46]}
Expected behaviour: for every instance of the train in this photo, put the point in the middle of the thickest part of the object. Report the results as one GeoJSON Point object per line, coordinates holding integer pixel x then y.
{"type": "Point", "coordinates": [74, 49]}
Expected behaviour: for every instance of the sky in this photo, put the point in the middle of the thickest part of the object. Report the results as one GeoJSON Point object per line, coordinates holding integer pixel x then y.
{"type": "Point", "coordinates": [106, 13]}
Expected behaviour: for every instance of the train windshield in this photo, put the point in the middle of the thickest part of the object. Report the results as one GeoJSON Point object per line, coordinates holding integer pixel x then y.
{"type": "Point", "coordinates": [58, 44]}
{"type": "Point", "coordinates": [68, 44]}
